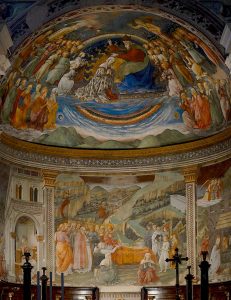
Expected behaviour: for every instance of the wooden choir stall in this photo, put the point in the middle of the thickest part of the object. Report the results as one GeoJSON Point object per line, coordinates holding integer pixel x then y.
{"type": "Point", "coordinates": [45, 291]}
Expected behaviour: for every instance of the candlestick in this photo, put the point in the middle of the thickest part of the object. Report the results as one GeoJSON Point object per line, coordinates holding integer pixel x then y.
{"type": "Point", "coordinates": [44, 280]}
{"type": "Point", "coordinates": [38, 286]}
{"type": "Point", "coordinates": [27, 277]}
{"type": "Point", "coordinates": [62, 286]}
{"type": "Point", "coordinates": [50, 285]}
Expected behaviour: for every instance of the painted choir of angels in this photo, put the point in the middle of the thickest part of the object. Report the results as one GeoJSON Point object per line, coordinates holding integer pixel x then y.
{"type": "Point", "coordinates": [204, 95]}
{"type": "Point", "coordinates": [38, 77]}
{"type": "Point", "coordinates": [26, 109]}
{"type": "Point", "coordinates": [214, 189]}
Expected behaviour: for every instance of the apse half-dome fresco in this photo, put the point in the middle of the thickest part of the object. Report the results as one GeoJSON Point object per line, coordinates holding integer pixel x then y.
{"type": "Point", "coordinates": [115, 80]}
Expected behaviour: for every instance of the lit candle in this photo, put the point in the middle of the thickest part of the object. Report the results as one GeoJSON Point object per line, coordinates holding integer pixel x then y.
{"type": "Point", "coordinates": [62, 286]}
{"type": "Point", "coordinates": [38, 286]}
{"type": "Point", "coordinates": [50, 285]}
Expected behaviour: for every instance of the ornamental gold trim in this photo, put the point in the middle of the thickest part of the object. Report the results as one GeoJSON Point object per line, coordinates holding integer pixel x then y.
{"type": "Point", "coordinates": [13, 235]}
{"type": "Point", "coordinates": [113, 154]}
{"type": "Point", "coordinates": [49, 177]}
{"type": "Point", "coordinates": [191, 174]}
{"type": "Point", "coordinates": [40, 238]}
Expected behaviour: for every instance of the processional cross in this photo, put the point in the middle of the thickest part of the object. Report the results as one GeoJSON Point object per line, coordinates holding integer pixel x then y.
{"type": "Point", "coordinates": [177, 258]}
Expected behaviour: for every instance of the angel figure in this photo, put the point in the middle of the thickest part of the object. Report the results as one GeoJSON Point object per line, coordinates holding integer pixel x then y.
{"type": "Point", "coordinates": [214, 189]}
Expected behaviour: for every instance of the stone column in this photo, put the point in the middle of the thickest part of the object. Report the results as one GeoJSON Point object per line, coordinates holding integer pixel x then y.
{"type": "Point", "coordinates": [40, 254]}
{"type": "Point", "coordinates": [190, 175]}
{"type": "Point", "coordinates": [49, 229]}
{"type": "Point", "coordinates": [11, 254]}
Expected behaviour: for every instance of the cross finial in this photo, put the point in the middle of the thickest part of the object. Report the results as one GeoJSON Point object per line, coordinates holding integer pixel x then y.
{"type": "Point", "coordinates": [204, 254]}
{"type": "Point", "coordinates": [27, 256]}
{"type": "Point", "coordinates": [177, 258]}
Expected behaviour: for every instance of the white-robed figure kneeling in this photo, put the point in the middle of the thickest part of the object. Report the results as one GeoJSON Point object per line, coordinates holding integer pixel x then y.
{"type": "Point", "coordinates": [107, 272]}
{"type": "Point", "coordinates": [66, 83]}
{"type": "Point", "coordinates": [78, 62]}
{"type": "Point", "coordinates": [215, 259]}
{"type": "Point", "coordinates": [101, 86]}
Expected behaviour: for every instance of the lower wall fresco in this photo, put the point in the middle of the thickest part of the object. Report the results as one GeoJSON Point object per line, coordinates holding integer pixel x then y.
{"type": "Point", "coordinates": [120, 230]}
{"type": "Point", "coordinates": [214, 220]}
{"type": "Point", "coordinates": [116, 231]}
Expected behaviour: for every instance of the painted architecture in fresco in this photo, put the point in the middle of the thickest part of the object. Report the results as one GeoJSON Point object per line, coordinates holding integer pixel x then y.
{"type": "Point", "coordinates": [109, 233]}
{"type": "Point", "coordinates": [22, 221]}
{"type": "Point", "coordinates": [115, 80]}
{"type": "Point", "coordinates": [214, 226]}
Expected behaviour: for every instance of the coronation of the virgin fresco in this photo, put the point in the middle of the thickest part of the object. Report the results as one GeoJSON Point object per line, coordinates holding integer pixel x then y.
{"type": "Point", "coordinates": [115, 80]}
{"type": "Point", "coordinates": [111, 233]}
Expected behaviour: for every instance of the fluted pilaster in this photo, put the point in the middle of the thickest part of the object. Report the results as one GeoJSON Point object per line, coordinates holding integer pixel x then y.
{"type": "Point", "coordinates": [49, 185]}
{"type": "Point", "coordinates": [190, 175]}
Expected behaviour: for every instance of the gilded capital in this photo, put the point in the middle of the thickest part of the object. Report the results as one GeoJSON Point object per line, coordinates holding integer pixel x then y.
{"type": "Point", "coordinates": [40, 238]}
{"type": "Point", "coordinates": [49, 177]}
{"type": "Point", "coordinates": [13, 235]}
{"type": "Point", "coordinates": [191, 174]}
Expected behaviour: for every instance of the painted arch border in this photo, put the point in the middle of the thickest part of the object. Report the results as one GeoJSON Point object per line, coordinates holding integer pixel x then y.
{"type": "Point", "coordinates": [118, 7]}
{"type": "Point", "coordinates": [168, 6]}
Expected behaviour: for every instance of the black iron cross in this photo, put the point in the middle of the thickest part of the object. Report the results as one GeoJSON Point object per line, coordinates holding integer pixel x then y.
{"type": "Point", "coordinates": [177, 258]}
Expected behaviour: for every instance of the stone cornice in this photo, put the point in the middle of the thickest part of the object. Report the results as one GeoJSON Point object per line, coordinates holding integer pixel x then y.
{"type": "Point", "coordinates": [204, 151]}
{"type": "Point", "coordinates": [22, 206]}
{"type": "Point", "coordinates": [190, 174]}
{"type": "Point", "coordinates": [49, 177]}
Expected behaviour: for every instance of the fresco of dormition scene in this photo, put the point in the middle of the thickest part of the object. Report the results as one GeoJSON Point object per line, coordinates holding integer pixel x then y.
{"type": "Point", "coordinates": [109, 233]}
